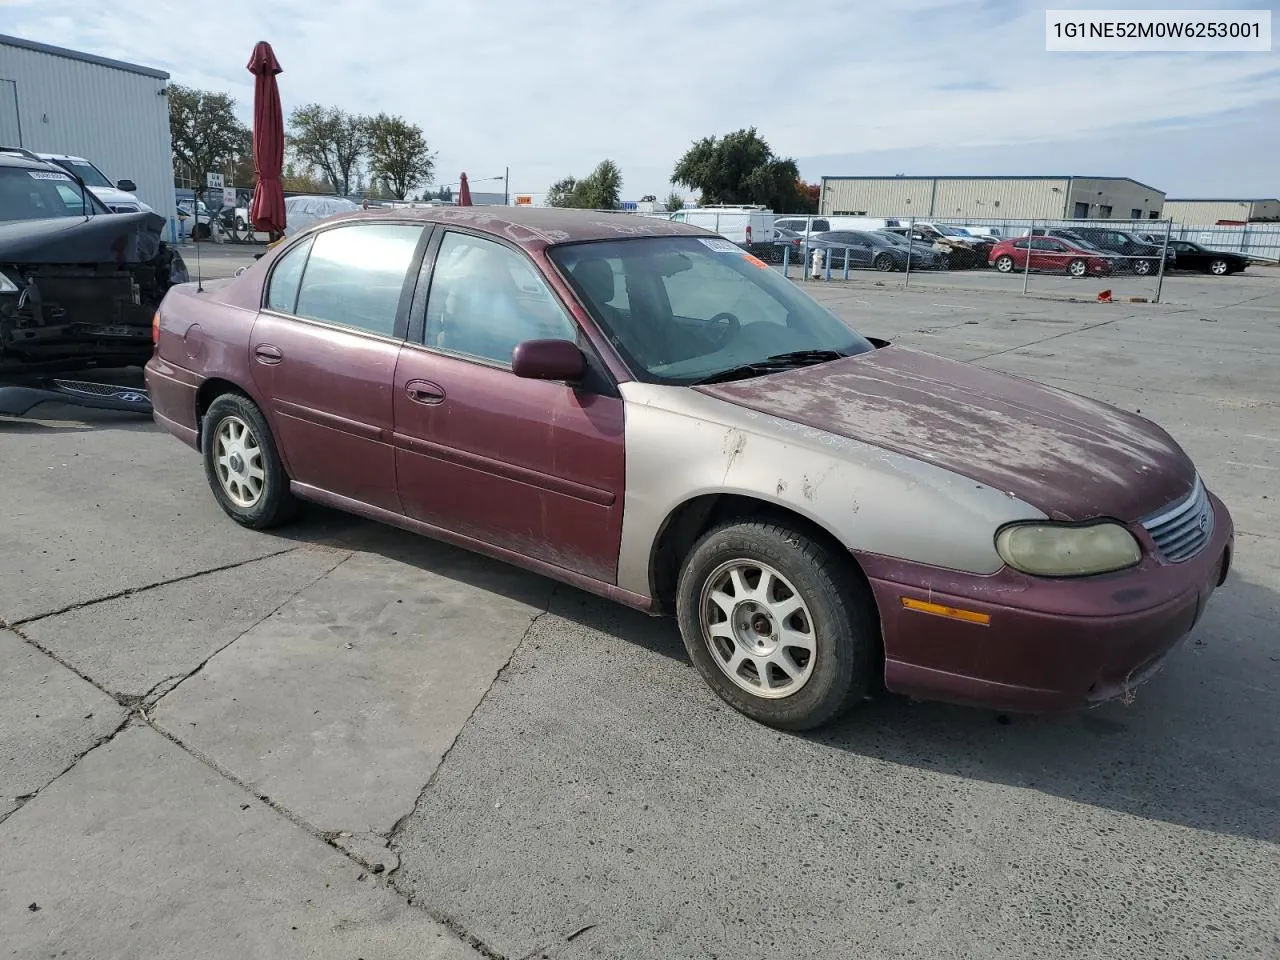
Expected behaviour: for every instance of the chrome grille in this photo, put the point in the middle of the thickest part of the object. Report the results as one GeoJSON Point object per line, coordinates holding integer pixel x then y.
{"type": "Point", "coordinates": [1181, 531]}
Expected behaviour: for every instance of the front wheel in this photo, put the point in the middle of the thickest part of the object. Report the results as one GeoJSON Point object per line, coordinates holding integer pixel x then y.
{"type": "Point", "coordinates": [884, 263]}
{"type": "Point", "coordinates": [1143, 267]}
{"type": "Point", "coordinates": [1004, 263]}
{"type": "Point", "coordinates": [241, 464]}
{"type": "Point", "coordinates": [1219, 268]}
{"type": "Point", "coordinates": [1078, 268]}
{"type": "Point", "coordinates": [779, 625]}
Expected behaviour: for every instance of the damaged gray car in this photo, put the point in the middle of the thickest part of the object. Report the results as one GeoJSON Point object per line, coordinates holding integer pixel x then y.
{"type": "Point", "coordinates": [79, 285]}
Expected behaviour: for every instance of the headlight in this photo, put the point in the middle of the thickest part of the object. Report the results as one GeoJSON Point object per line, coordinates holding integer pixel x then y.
{"type": "Point", "coordinates": [7, 285]}
{"type": "Point", "coordinates": [1062, 550]}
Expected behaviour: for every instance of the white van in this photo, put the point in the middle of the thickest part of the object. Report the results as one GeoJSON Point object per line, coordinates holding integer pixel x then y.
{"type": "Point", "coordinates": [743, 225]}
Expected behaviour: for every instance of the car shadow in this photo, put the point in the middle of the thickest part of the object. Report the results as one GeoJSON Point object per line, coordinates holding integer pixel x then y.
{"type": "Point", "coordinates": [1196, 747]}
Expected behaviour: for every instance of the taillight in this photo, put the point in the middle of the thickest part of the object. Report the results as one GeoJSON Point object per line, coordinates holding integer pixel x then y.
{"type": "Point", "coordinates": [155, 327]}
{"type": "Point", "coordinates": [748, 233]}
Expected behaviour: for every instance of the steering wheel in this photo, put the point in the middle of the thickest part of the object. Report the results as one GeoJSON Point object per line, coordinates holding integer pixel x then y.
{"type": "Point", "coordinates": [729, 325]}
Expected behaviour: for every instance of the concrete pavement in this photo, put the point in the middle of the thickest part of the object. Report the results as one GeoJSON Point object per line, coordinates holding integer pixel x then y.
{"type": "Point", "coordinates": [210, 737]}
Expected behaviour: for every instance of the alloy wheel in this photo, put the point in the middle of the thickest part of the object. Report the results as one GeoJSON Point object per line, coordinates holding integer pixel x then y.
{"type": "Point", "coordinates": [758, 628]}
{"type": "Point", "coordinates": [238, 456]}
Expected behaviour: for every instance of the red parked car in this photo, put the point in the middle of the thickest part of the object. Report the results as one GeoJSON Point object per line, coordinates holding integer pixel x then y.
{"type": "Point", "coordinates": [1050, 254]}
{"type": "Point", "coordinates": [643, 410]}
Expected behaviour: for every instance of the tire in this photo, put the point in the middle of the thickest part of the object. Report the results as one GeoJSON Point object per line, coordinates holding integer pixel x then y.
{"type": "Point", "coordinates": [1078, 268]}
{"type": "Point", "coordinates": [1219, 268]}
{"type": "Point", "coordinates": [1143, 267]}
{"type": "Point", "coordinates": [1004, 263]}
{"type": "Point", "coordinates": [884, 263]}
{"type": "Point", "coordinates": [835, 614]}
{"type": "Point", "coordinates": [241, 225]}
{"type": "Point", "coordinates": [233, 426]}
{"type": "Point", "coordinates": [200, 231]}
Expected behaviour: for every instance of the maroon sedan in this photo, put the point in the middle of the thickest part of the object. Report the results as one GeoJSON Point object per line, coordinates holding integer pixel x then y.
{"type": "Point", "coordinates": [1053, 254]}
{"type": "Point", "coordinates": [640, 409]}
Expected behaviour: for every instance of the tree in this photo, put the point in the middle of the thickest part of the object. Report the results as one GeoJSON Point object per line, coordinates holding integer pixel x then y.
{"type": "Point", "coordinates": [302, 178]}
{"type": "Point", "coordinates": [562, 193]}
{"type": "Point", "coordinates": [600, 190]}
{"type": "Point", "coordinates": [398, 154]}
{"type": "Point", "coordinates": [739, 168]}
{"type": "Point", "coordinates": [674, 202]}
{"type": "Point", "coordinates": [809, 197]}
{"type": "Point", "coordinates": [331, 140]}
{"type": "Point", "coordinates": [205, 132]}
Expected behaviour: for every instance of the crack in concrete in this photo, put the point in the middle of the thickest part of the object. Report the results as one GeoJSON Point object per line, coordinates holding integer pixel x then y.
{"type": "Point", "coordinates": [104, 739]}
{"type": "Point", "coordinates": [130, 591]}
{"type": "Point", "coordinates": [1055, 336]}
{"type": "Point", "coordinates": [123, 699]}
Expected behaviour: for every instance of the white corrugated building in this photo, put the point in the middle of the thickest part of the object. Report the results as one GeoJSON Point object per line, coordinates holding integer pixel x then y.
{"type": "Point", "coordinates": [113, 113]}
{"type": "Point", "coordinates": [1198, 211]}
{"type": "Point", "coordinates": [994, 198]}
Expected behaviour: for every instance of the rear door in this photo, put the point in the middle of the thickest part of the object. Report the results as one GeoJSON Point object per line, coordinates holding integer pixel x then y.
{"type": "Point", "coordinates": [324, 351]}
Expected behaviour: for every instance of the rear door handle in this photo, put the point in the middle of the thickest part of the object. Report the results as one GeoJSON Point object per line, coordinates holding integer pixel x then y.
{"type": "Point", "coordinates": [266, 353]}
{"type": "Point", "coordinates": [425, 392]}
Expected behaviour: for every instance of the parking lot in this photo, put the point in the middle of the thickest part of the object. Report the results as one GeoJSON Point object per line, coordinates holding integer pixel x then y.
{"type": "Point", "coordinates": [342, 740]}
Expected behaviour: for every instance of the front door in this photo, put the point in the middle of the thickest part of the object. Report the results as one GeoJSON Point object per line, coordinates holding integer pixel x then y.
{"type": "Point", "coordinates": [323, 353]}
{"type": "Point", "coordinates": [531, 466]}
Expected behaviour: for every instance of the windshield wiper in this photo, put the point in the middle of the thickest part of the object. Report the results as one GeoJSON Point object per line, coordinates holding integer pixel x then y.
{"type": "Point", "coordinates": [779, 361]}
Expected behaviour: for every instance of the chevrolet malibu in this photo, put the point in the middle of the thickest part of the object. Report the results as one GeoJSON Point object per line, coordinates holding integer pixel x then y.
{"type": "Point", "coordinates": [640, 409]}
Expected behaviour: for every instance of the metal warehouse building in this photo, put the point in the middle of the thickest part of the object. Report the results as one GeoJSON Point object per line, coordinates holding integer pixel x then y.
{"type": "Point", "coordinates": [112, 113]}
{"type": "Point", "coordinates": [992, 198]}
{"type": "Point", "coordinates": [1233, 211]}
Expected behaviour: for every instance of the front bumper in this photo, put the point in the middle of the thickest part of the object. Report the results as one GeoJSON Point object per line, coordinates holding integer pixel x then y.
{"type": "Point", "coordinates": [1049, 644]}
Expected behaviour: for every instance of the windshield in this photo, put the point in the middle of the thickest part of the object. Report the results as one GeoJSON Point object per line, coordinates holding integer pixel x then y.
{"type": "Point", "coordinates": [681, 309]}
{"type": "Point", "coordinates": [42, 194]}
{"type": "Point", "coordinates": [86, 171]}
{"type": "Point", "coordinates": [947, 231]}
{"type": "Point", "coordinates": [894, 238]}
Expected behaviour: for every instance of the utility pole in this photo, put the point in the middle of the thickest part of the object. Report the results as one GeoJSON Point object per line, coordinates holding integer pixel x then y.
{"type": "Point", "coordinates": [506, 192]}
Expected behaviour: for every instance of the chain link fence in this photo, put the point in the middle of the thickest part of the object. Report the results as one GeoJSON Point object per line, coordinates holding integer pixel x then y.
{"type": "Point", "coordinates": [1093, 259]}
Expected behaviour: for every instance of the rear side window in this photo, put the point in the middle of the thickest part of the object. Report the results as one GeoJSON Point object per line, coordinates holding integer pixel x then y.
{"type": "Point", "coordinates": [821, 225]}
{"type": "Point", "coordinates": [355, 275]}
{"type": "Point", "coordinates": [282, 288]}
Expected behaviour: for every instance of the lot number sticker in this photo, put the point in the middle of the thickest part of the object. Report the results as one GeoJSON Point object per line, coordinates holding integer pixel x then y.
{"type": "Point", "coordinates": [45, 175]}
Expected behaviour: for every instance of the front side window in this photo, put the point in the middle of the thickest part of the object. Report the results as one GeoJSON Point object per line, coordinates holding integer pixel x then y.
{"type": "Point", "coordinates": [486, 299]}
{"type": "Point", "coordinates": [697, 307]}
{"type": "Point", "coordinates": [355, 275]}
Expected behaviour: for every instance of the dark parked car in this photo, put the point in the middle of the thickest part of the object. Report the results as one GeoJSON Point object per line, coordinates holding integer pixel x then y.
{"type": "Point", "coordinates": [1052, 253]}
{"type": "Point", "coordinates": [871, 250]}
{"type": "Point", "coordinates": [78, 284]}
{"type": "Point", "coordinates": [641, 409]}
{"type": "Point", "coordinates": [1192, 256]}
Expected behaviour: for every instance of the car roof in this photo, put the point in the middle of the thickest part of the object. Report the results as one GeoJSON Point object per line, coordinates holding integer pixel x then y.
{"type": "Point", "coordinates": [535, 228]}
{"type": "Point", "coordinates": [24, 163]}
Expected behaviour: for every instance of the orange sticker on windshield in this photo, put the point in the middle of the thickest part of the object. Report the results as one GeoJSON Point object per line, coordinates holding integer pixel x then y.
{"type": "Point", "coordinates": [755, 261]}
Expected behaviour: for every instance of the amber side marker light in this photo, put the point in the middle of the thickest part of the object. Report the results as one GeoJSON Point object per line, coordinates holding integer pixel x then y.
{"type": "Point", "coordinates": [155, 327]}
{"type": "Point", "coordinates": [940, 610]}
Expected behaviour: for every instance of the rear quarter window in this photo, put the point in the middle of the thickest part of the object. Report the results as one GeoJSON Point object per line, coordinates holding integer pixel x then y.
{"type": "Point", "coordinates": [286, 275]}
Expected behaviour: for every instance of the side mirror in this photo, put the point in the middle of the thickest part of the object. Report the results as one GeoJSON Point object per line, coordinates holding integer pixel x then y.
{"type": "Point", "coordinates": [548, 360]}
{"type": "Point", "coordinates": [128, 186]}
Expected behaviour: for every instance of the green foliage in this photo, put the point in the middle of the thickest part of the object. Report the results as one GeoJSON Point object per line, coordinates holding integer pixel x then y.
{"type": "Point", "coordinates": [398, 156]}
{"type": "Point", "coordinates": [600, 190]}
{"type": "Point", "coordinates": [207, 137]}
{"type": "Point", "coordinates": [674, 202]}
{"type": "Point", "coordinates": [739, 168]}
{"type": "Point", "coordinates": [331, 140]}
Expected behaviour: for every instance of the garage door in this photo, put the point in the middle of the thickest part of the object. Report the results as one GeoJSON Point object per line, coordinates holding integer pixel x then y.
{"type": "Point", "coordinates": [10, 131]}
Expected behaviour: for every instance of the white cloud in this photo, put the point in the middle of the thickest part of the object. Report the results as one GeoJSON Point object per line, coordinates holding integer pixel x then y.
{"type": "Point", "coordinates": [551, 88]}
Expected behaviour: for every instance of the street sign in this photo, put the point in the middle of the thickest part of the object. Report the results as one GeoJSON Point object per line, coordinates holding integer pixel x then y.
{"type": "Point", "coordinates": [214, 181]}
{"type": "Point", "coordinates": [524, 200]}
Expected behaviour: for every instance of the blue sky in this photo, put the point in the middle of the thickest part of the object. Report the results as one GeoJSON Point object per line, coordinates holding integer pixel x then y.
{"type": "Point", "coordinates": [864, 88]}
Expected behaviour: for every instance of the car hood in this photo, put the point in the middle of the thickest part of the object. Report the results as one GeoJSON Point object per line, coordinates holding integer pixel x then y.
{"type": "Point", "coordinates": [1071, 457]}
{"type": "Point", "coordinates": [113, 195]}
{"type": "Point", "coordinates": [106, 238]}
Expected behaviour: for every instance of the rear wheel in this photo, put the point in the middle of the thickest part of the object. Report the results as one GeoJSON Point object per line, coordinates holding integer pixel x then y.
{"type": "Point", "coordinates": [1078, 268]}
{"type": "Point", "coordinates": [884, 263]}
{"type": "Point", "coordinates": [1004, 263]}
{"type": "Point", "coordinates": [242, 465]}
{"type": "Point", "coordinates": [1219, 268]}
{"type": "Point", "coordinates": [778, 624]}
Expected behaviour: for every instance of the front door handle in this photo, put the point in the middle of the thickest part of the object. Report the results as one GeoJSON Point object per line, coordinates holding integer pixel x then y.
{"type": "Point", "coordinates": [266, 353]}
{"type": "Point", "coordinates": [423, 391]}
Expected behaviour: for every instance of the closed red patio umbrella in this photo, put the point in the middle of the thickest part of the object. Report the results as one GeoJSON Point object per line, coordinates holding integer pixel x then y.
{"type": "Point", "coordinates": [464, 193]}
{"type": "Point", "coordinates": [267, 213]}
